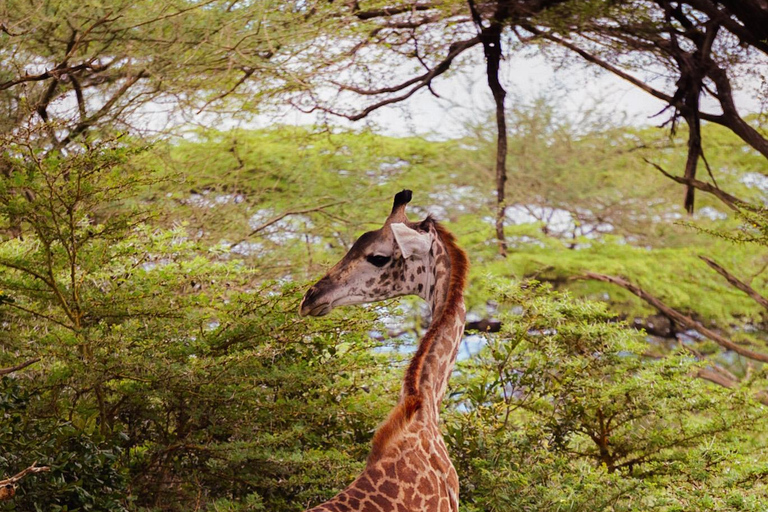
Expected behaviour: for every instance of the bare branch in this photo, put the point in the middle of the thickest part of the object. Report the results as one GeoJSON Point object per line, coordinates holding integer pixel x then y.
{"type": "Point", "coordinates": [730, 201]}
{"type": "Point", "coordinates": [103, 111]}
{"type": "Point", "coordinates": [616, 71]}
{"type": "Point", "coordinates": [678, 317]}
{"type": "Point", "coordinates": [292, 212]}
{"type": "Point", "coordinates": [285, 214]}
{"type": "Point", "coordinates": [391, 11]}
{"type": "Point", "coordinates": [247, 73]}
{"type": "Point", "coordinates": [53, 73]}
{"type": "Point", "coordinates": [420, 81]}
{"type": "Point", "coordinates": [736, 282]}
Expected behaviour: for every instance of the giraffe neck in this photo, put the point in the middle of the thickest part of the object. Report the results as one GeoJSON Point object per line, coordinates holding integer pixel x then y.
{"type": "Point", "coordinates": [431, 366]}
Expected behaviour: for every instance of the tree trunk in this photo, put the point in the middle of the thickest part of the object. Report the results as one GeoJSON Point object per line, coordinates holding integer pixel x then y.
{"type": "Point", "coordinates": [491, 38]}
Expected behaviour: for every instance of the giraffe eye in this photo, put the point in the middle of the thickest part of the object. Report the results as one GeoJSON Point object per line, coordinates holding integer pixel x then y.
{"type": "Point", "coordinates": [379, 261]}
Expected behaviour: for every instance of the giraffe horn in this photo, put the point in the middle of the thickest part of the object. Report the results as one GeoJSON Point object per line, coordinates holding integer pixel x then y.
{"type": "Point", "coordinates": [402, 198]}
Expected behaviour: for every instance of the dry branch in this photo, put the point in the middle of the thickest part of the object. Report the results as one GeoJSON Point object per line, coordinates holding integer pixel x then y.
{"type": "Point", "coordinates": [392, 11]}
{"type": "Point", "coordinates": [280, 217]}
{"type": "Point", "coordinates": [8, 486]}
{"type": "Point", "coordinates": [416, 83]}
{"type": "Point", "coordinates": [678, 317]}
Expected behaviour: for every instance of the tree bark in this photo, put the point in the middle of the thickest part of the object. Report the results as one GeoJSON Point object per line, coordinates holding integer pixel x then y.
{"type": "Point", "coordinates": [490, 36]}
{"type": "Point", "coordinates": [494, 58]}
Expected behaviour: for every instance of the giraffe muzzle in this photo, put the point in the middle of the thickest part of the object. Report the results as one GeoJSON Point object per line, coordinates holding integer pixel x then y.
{"type": "Point", "coordinates": [310, 307]}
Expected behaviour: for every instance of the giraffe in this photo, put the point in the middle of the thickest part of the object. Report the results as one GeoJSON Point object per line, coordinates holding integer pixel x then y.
{"type": "Point", "coordinates": [408, 468]}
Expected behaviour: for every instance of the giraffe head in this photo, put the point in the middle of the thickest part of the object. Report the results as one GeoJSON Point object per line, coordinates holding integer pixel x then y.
{"type": "Point", "coordinates": [390, 262]}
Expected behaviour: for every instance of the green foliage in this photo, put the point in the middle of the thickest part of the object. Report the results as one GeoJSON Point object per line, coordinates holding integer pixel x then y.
{"type": "Point", "coordinates": [84, 473]}
{"type": "Point", "coordinates": [200, 380]}
{"type": "Point", "coordinates": [675, 275]}
{"type": "Point", "coordinates": [284, 197]}
{"type": "Point", "coordinates": [563, 411]}
{"type": "Point", "coordinates": [175, 372]}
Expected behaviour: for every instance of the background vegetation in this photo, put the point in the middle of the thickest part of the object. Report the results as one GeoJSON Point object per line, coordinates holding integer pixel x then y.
{"type": "Point", "coordinates": [151, 354]}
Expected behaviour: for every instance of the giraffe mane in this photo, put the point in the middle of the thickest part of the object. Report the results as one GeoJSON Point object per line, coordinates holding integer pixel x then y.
{"type": "Point", "coordinates": [412, 400]}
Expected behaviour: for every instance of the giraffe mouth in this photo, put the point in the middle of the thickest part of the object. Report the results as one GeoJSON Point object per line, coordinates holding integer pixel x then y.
{"type": "Point", "coordinates": [316, 310]}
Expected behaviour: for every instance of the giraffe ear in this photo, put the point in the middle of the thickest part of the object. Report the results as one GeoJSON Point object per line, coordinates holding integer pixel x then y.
{"type": "Point", "coordinates": [410, 241]}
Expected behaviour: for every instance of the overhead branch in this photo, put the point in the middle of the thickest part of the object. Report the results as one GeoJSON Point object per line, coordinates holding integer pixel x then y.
{"type": "Point", "coordinates": [736, 282]}
{"type": "Point", "coordinates": [678, 317]}
{"type": "Point", "coordinates": [11, 369]}
{"type": "Point", "coordinates": [755, 34]}
{"type": "Point", "coordinates": [731, 117]}
{"type": "Point", "coordinates": [247, 73]}
{"type": "Point", "coordinates": [55, 73]}
{"type": "Point", "coordinates": [589, 57]}
{"type": "Point", "coordinates": [701, 59]}
{"type": "Point", "coordinates": [730, 201]}
{"type": "Point", "coordinates": [391, 11]}
{"type": "Point", "coordinates": [84, 125]}
{"type": "Point", "coordinates": [417, 83]}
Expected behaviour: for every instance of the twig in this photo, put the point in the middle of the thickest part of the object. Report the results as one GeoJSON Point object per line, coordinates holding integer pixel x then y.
{"type": "Point", "coordinates": [291, 212]}
{"type": "Point", "coordinates": [417, 83]}
{"type": "Point", "coordinates": [280, 217]}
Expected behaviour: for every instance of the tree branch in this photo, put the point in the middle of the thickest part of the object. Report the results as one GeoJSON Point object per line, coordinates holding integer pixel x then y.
{"type": "Point", "coordinates": [104, 110]}
{"type": "Point", "coordinates": [621, 74]}
{"type": "Point", "coordinates": [678, 317]}
{"type": "Point", "coordinates": [730, 201]}
{"type": "Point", "coordinates": [736, 282]}
{"type": "Point", "coordinates": [11, 369]}
{"type": "Point", "coordinates": [391, 11]}
{"type": "Point", "coordinates": [420, 81]}
{"type": "Point", "coordinates": [8, 486]}
{"type": "Point", "coordinates": [291, 212]}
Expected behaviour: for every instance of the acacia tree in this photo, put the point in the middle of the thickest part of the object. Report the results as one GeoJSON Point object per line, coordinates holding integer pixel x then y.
{"type": "Point", "coordinates": [686, 53]}
{"type": "Point", "coordinates": [384, 53]}
{"type": "Point", "coordinates": [410, 45]}
{"type": "Point", "coordinates": [701, 50]}
{"type": "Point", "coordinates": [76, 67]}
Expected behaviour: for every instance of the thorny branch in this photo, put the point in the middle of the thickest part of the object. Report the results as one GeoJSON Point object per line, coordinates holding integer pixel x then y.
{"type": "Point", "coordinates": [730, 201]}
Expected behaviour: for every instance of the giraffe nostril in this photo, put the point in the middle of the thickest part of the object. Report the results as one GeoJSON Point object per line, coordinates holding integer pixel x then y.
{"type": "Point", "coordinates": [311, 293]}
